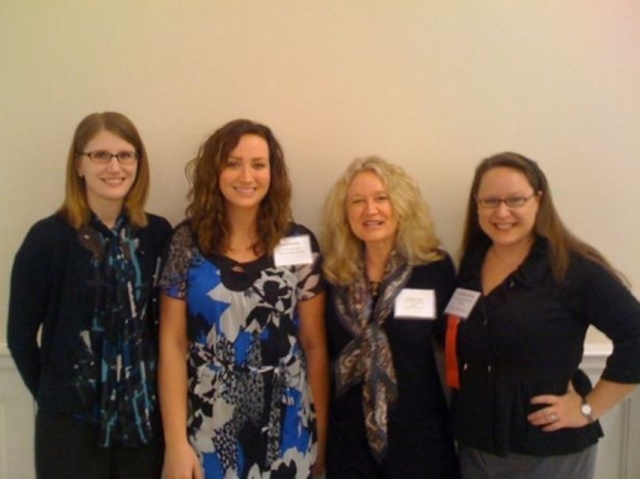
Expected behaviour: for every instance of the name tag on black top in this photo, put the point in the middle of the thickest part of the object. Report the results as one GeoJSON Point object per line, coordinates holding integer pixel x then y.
{"type": "Point", "coordinates": [462, 302]}
{"type": "Point", "coordinates": [415, 304]}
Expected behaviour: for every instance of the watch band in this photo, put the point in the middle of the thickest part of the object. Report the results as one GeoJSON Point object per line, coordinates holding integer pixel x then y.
{"type": "Point", "coordinates": [587, 410]}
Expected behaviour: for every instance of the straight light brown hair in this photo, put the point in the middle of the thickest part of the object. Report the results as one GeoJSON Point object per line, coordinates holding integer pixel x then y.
{"type": "Point", "coordinates": [547, 224]}
{"type": "Point", "coordinates": [75, 208]}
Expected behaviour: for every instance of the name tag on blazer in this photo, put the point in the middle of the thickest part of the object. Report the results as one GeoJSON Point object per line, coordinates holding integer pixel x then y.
{"type": "Point", "coordinates": [415, 304]}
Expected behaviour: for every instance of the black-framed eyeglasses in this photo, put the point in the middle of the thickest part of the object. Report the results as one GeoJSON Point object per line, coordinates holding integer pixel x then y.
{"type": "Point", "coordinates": [493, 202]}
{"type": "Point", "coordinates": [103, 157]}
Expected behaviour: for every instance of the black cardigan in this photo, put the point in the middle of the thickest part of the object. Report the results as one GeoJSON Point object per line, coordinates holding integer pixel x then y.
{"type": "Point", "coordinates": [526, 338]}
{"type": "Point", "coordinates": [47, 290]}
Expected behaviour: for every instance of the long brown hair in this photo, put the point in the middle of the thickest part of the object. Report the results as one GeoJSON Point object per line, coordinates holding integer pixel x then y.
{"type": "Point", "coordinates": [207, 212]}
{"type": "Point", "coordinates": [75, 208]}
{"type": "Point", "coordinates": [548, 223]}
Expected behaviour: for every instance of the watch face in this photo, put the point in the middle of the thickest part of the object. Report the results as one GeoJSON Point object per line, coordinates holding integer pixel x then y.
{"type": "Point", "coordinates": [586, 409]}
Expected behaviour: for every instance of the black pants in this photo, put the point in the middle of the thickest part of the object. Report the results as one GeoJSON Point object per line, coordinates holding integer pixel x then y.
{"type": "Point", "coordinates": [67, 448]}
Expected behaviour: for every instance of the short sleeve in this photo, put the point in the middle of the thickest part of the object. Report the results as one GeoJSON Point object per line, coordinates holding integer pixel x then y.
{"type": "Point", "coordinates": [309, 275]}
{"type": "Point", "coordinates": [173, 280]}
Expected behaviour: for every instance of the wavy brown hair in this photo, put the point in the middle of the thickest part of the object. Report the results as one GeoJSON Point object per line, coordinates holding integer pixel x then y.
{"type": "Point", "coordinates": [416, 240]}
{"type": "Point", "coordinates": [75, 208]}
{"type": "Point", "coordinates": [547, 224]}
{"type": "Point", "coordinates": [207, 212]}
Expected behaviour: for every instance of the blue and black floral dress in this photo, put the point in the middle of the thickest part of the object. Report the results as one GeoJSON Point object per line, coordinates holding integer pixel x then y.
{"type": "Point", "coordinates": [250, 405]}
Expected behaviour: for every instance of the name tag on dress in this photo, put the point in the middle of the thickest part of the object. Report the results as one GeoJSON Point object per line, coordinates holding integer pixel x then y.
{"type": "Point", "coordinates": [415, 304]}
{"type": "Point", "coordinates": [293, 250]}
{"type": "Point", "coordinates": [462, 302]}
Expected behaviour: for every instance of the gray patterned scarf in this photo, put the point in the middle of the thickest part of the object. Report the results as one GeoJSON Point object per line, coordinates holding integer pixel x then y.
{"type": "Point", "coordinates": [367, 357]}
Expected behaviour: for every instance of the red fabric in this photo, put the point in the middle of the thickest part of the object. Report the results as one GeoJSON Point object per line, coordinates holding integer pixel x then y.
{"type": "Point", "coordinates": [451, 353]}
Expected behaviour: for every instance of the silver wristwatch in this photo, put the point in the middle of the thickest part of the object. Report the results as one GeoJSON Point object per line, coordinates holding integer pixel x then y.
{"type": "Point", "coordinates": [586, 410]}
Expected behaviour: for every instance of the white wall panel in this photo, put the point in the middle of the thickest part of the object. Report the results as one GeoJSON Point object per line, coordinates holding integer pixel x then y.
{"type": "Point", "coordinates": [16, 423]}
{"type": "Point", "coordinates": [617, 458]}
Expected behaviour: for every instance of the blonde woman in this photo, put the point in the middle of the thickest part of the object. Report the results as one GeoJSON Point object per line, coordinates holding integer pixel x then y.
{"type": "Point", "coordinates": [388, 282]}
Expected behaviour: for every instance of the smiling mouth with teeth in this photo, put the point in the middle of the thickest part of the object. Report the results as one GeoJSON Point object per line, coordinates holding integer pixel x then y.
{"type": "Point", "coordinates": [116, 181]}
{"type": "Point", "coordinates": [245, 191]}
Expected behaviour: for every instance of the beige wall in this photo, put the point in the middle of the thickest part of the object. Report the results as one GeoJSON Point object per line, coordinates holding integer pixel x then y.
{"type": "Point", "coordinates": [432, 85]}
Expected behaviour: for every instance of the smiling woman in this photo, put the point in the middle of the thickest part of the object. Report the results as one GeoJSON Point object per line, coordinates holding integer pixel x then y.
{"type": "Point", "coordinates": [369, 211]}
{"type": "Point", "coordinates": [248, 317]}
{"type": "Point", "coordinates": [387, 284]}
{"type": "Point", "coordinates": [108, 176]}
{"type": "Point", "coordinates": [87, 277]}
{"type": "Point", "coordinates": [522, 407]}
{"type": "Point", "coordinates": [507, 208]}
{"type": "Point", "coordinates": [245, 177]}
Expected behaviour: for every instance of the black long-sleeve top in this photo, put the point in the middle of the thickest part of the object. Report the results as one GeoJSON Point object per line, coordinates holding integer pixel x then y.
{"type": "Point", "coordinates": [420, 444]}
{"type": "Point", "coordinates": [49, 291]}
{"type": "Point", "coordinates": [525, 338]}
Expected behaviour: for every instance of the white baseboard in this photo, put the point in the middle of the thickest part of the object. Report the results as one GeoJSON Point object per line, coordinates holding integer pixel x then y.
{"type": "Point", "coordinates": [616, 456]}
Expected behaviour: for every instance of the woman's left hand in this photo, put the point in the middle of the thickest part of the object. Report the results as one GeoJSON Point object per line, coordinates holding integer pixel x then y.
{"type": "Point", "coordinates": [560, 411]}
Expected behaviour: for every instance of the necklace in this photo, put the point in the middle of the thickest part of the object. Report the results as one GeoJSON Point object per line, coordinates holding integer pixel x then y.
{"type": "Point", "coordinates": [374, 288]}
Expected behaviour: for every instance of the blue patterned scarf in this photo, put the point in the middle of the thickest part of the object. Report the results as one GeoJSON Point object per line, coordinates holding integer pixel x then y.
{"type": "Point", "coordinates": [117, 368]}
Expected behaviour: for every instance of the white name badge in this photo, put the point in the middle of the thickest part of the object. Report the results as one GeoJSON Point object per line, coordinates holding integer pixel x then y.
{"type": "Point", "coordinates": [293, 250]}
{"type": "Point", "coordinates": [415, 304]}
{"type": "Point", "coordinates": [462, 302]}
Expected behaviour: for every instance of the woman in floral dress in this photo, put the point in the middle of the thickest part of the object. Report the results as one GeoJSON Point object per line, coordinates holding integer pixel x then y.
{"type": "Point", "coordinates": [242, 300]}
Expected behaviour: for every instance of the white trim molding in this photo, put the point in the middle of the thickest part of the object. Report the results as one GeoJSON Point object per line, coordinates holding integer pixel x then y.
{"type": "Point", "coordinates": [616, 456]}
{"type": "Point", "coordinates": [16, 421]}
{"type": "Point", "coordinates": [594, 357]}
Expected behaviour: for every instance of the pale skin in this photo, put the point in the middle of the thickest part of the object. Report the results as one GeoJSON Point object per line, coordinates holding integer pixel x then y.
{"type": "Point", "coordinates": [511, 230]}
{"type": "Point", "coordinates": [313, 338]}
{"type": "Point", "coordinates": [244, 184]}
{"type": "Point", "coordinates": [372, 220]}
{"type": "Point", "coordinates": [564, 411]}
{"type": "Point", "coordinates": [107, 185]}
{"type": "Point", "coordinates": [180, 460]}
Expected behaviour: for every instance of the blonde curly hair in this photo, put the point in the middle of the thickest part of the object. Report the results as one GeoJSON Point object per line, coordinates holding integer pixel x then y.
{"type": "Point", "coordinates": [415, 240]}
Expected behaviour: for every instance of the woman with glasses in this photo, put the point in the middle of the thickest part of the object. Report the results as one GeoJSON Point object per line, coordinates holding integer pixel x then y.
{"type": "Point", "coordinates": [521, 405]}
{"type": "Point", "coordinates": [388, 282]}
{"type": "Point", "coordinates": [85, 279]}
{"type": "Point", "coordinates": [243, 303]}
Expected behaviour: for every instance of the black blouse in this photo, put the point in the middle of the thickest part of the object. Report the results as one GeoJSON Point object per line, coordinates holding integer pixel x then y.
{"type": "Point", "coordinates": [525, 338]}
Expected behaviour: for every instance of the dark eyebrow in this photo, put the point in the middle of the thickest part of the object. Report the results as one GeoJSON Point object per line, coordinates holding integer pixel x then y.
{"type": "Point", "coordinates": [257, 158]}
